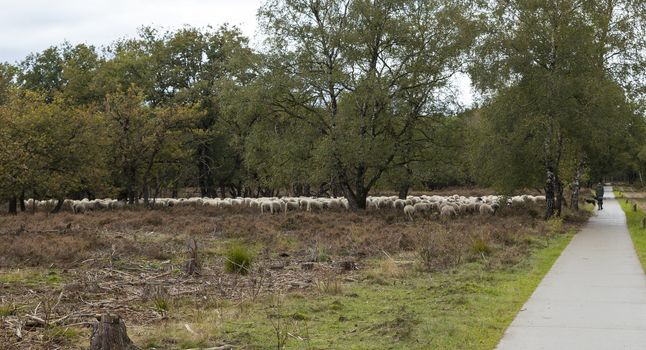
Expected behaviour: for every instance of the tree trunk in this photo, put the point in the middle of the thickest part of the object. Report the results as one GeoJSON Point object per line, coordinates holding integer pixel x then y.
{"type": "Point", "coordinates": [13, 205]}
{"type": "Point", "coordinates": [356, 199]}
{"type": "Point", "coordinates": [559, 196]}
{"type": "Point", "coordinates": [576, 186]}
{"type": "Point", "coordinates": [222, 190]}
{"type": "Point", "coordinates": [110, 334]}
{"type": "Point", "coordinates": [549, 193]}
{"type": "Point", "coordinates": [403, 190]}
{"type": "Point", "coordinates": [130, 183]}
{"type": "Point", "coordinates": [297, 189]}
{"type": "Point", "coordinates": [207, 185]}
{"type": "Point", "coordinates": [59, 205]}
{"type": "Point", "coordinates": [22, 201]}
{"type": "Point", "coordinates": [146, 195]}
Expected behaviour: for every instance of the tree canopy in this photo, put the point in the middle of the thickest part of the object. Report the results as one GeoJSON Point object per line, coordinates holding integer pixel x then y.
{"type": "Point", "coordinates": [345, 97]}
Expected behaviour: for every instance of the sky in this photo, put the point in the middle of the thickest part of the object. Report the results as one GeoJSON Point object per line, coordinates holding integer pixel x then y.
{"type": "Point", "coordinates": [28, 26]}
{"type": "Point", "coordinates": [32, 25]}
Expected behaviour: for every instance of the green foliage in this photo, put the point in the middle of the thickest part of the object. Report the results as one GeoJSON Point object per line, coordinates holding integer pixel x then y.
{"type": "Point", "coordinates": [555, 98]}
{"type": "Point", "coordinates": [238, 259]}
{"type": "Point", "coordinates": [52, 148]}
{"type": "Point", "coordinates": [362, 76]}
{"type": "Point", "coordinates": [347, 97]}
{"type": "Point", "coordinates": [481, 246]}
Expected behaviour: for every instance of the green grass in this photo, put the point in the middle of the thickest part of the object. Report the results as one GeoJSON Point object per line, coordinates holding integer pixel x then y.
{"type": "Point", "coordinates": [31, 277]}
{"type": "Point", "coordinates": [238, 260]}
{"type": "Point", "coordinates": [634, 219]}
{"type": "Point", "coordinates": [468, 307]}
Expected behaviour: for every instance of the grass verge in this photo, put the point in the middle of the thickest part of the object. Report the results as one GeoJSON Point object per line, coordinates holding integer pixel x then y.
{"type": "Point", "coordinates": [634, 221]}
{"type": "Point", "coordinates": [468, 307]}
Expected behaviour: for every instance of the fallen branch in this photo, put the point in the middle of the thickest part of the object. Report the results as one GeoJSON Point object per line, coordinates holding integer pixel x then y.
{"type": "Point", "coordinates": [39, 322]}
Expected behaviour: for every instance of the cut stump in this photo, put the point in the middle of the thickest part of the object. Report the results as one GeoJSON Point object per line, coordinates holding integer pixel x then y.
{"type": "Point", "coordinates": [109, 333]}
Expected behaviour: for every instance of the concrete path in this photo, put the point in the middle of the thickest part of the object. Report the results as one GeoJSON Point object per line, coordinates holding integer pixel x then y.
{"type": "Point", "coordinates": [594, 297]}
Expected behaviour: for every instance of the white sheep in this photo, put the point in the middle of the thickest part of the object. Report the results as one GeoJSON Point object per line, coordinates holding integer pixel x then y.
{"type": "Point", "coordinates": [486, 209]}
{"type": "Point", "coordinates": [422, 207]}
{"type": "Point", "coordinates": [399, 203]}
{"type": "Point", "coordinates": [447, 212]}
{"type": "Point", "coordinates": [410, 211]}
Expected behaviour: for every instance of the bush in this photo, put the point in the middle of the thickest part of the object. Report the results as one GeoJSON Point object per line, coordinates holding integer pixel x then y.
{"type": "Point", "coordinates": [480, 246]}
{"type": "Point", "coordinates": [238, 260]}
{"type": "Point", "coordinates": [442, 250]}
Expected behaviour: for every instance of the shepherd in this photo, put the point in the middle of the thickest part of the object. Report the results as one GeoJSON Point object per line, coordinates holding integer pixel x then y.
{"type": "Point", "coordinates": [599, 193]}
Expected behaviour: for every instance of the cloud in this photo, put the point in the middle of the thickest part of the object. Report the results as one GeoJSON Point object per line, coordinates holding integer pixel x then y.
{"type": "Point", "coordinates": [33, 25]}
{"type": "Point", "coordinates": [28, 26]}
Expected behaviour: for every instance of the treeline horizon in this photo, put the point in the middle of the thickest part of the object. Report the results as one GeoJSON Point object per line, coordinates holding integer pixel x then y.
{"type": "Point", "coordinates": [345, 97]}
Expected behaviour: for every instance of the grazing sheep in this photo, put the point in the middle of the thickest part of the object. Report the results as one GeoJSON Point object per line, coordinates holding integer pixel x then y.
{"type": "Point", "coordinates": [276, 206]}
{"type": "Point", "coordinates": [448, 212]}
{"type": "Point", "coordinates": [313, 203]}
{"type": "Point", "coordinates": [82, 207]}
{"type": "Point", "coordinates": [486, 209]}
{"type": "Point", "coordinates": [410, 211]}
{"type": "Point", "coordinates": [422, 207]}
{"type": "Point", "coordinates": [291, 206]}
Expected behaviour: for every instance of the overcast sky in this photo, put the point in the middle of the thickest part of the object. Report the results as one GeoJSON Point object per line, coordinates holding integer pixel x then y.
{"type": "Point", "coordinates": [32, 25]}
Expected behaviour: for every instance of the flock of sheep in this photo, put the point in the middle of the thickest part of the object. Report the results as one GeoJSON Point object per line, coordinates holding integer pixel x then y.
{"type": "Point", "coordinates": [446, 206]}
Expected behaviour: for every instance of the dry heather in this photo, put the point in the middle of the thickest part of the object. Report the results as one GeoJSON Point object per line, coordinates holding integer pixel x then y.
{"type": "Point", "coordinates": [75, 266]}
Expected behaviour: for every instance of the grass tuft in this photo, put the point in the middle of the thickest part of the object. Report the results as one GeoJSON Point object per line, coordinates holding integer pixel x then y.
{"type": "Point", "coordinates": [238, 260]}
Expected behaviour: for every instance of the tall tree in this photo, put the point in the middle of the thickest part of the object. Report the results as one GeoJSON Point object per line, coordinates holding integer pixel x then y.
{"type": "Point", "coordinates": [363, 74]}
{"type": "Point", "coordinates": [540, 60]}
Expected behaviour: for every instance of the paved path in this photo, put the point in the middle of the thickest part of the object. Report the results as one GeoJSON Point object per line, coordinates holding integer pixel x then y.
{"type": "Point", "coordinates": [594, 297]}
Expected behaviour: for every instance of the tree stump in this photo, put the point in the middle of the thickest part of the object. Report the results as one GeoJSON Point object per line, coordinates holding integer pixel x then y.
{"type": "Point", "coordinates": [109, 333]}
{"type": "Point", "coordinates": [193, 266]}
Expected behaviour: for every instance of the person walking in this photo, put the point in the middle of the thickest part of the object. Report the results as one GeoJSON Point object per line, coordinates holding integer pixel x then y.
{"type": "Point", "coordinates": [599, 194]}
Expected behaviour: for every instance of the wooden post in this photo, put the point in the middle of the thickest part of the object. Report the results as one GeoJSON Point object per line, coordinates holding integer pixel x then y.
{"type": "Point", "coordinates": [109, 333]}
{"type": "Point", "coordinates": [644, 223]}
{"type": "Point", "coordinates": [634, 206]}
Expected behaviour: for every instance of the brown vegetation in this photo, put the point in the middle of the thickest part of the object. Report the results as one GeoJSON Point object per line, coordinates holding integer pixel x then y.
{"type": "Point", "coordinates": [132, 262]}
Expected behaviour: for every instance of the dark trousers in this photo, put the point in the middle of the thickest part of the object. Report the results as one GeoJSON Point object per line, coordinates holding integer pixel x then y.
{"type": "Point", "coordinates": [600, 202]}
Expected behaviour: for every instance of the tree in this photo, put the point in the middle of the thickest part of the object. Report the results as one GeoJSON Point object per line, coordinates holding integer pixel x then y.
{"type": "Point", "coordinates": [540, 62]}
{"type": "Point", "coordinates": [52, 149]}
{"type": "Point", "coordinates": [7, 80]}
{"type": "Point", "coordinates": [43, 71]}
{"type": "Point", "coordinates": [363, 75]}
{"type": "Point", "coordinates": [191, 67]}
{"type": "Point", "coordinates": [144, 137]}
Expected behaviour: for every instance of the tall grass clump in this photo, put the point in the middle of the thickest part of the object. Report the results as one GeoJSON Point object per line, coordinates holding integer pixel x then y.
{"type": "Point", "coordinates": [238, 259]}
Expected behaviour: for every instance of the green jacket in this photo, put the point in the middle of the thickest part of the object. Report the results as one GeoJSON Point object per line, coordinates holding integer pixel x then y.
{"type": "Point", "coordinates": [599, 191]}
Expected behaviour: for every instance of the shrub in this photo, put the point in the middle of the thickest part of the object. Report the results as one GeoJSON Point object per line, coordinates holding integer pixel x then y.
{"type": "Point", "coordinates": [555, 225]}
{"type": "Point", "coordinates": [328, 283]}
{"type": "Point", "coordinates": [480, 246]}
{"type": "Point", "coordinates": [442, 250]}
{"type": "Point", "coordinates": [238, 260]}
